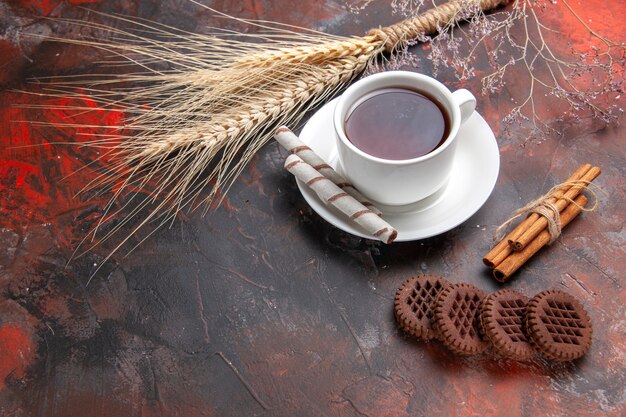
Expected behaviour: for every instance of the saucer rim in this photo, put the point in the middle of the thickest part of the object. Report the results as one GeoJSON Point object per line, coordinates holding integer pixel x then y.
{"type": "Point", "coordinates": [334, 219]}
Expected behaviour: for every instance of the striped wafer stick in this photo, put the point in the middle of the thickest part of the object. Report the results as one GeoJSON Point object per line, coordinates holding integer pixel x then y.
{"type": "Point", "coordinates": [293, 144]}
{"type": "Point", "coordinates": [334, 196]}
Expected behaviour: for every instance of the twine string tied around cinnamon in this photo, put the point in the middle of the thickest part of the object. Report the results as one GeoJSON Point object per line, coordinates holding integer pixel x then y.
{"type": "Point", "coordinates": [546, 208]}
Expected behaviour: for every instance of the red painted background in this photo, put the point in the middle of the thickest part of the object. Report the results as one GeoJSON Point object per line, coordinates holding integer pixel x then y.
{"type": "Point", "coordinates": [262, 308]}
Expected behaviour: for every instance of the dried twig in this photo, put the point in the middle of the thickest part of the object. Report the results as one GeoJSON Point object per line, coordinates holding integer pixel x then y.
{"type": "Point", "coordinates": [584, 83]}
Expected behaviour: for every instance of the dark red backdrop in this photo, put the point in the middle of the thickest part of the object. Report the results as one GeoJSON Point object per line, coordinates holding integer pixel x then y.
{"type": "Point", "coordinates": [262, 308]}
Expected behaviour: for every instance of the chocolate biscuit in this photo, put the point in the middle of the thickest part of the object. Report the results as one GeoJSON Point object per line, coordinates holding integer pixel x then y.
{"type": "Point", "coordinates": [414, 304]}
{"type": "Point", "coordinates": [558, 325]}
{"type": "Point", "coordinates": [456, 318]}
{"type": "Point", "coordinates": [502, 322]}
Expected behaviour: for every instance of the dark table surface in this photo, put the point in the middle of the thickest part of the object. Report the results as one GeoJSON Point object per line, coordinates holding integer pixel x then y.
{"type": "Point", "coordinates": [261, 307]}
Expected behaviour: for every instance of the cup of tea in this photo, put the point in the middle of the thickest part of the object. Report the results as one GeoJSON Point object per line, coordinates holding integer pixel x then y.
{"type": "Point", "coordinates": [396, 135]}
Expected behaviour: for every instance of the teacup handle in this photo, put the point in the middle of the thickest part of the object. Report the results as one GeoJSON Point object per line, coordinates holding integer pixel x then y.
{"type": "Point", "coordinates": [466, 102]}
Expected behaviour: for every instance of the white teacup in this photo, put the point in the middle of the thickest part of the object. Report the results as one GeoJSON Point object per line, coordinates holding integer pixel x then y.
{"type": "Point", "coordinates": [400, 182]}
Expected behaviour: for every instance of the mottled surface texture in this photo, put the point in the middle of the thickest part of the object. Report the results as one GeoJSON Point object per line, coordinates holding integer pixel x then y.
{"type": "Point", "coordinates": [262, 308]}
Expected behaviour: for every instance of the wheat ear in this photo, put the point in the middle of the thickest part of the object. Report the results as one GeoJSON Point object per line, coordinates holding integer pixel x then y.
{"type": "Point", "coordinates": [199, 122]}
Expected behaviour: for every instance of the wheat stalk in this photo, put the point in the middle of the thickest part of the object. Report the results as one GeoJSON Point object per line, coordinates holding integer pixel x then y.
{"type": "Point", "coordinates": [233, 135]}
{"type": "Point", "coordinates": [199, 122]}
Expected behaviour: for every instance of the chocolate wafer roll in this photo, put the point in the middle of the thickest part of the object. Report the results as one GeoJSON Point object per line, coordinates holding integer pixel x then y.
{"type": "Point", "coordinates": [293, 144]}
{"type": "Point", "coordinates": [334, 196]}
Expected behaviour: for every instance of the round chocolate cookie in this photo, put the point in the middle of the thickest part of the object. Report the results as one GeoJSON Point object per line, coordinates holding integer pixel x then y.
{"type": "Point", "coordinates": [414, 304]}
{"type": "Point", "coordinates": [455, 318]}
{"type": "Point", "coordinates": [502, 322]}
{"type": "Point", "coordinates": [558, 325]}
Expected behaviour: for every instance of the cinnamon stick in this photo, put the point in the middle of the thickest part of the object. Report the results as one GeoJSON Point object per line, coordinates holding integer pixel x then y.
{"type": "Point", "coordinates": [334, 196]}
{"type": "Point", "coordinates": [540, 222]}
{"type": "Point", "coordinates": [505, 247]}
{"type": "Point", "coordinates": [498, 253]}
{"type": "Point", "coordinates": [293, 144]}
{"type": "Point", "coordinates": [515, 260]}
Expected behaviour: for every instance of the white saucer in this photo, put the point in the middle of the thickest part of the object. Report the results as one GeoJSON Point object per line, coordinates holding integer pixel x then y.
{"type": "Point", "coordinates": [472, 179]}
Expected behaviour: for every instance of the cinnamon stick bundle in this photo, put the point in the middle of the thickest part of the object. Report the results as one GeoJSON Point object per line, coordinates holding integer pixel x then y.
{"type": "Point", "coordinates": [562, 199]}
{"type": "Point", "coordinates": [537, 230]}
{"type": "Point", "coordinates": [503, 271]}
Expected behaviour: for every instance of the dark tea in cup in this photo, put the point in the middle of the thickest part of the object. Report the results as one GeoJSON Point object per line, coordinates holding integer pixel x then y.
{"type": "Point", "coordinates": [397, 124]}
{"type": "Point", "coordinates": [396, 133]}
